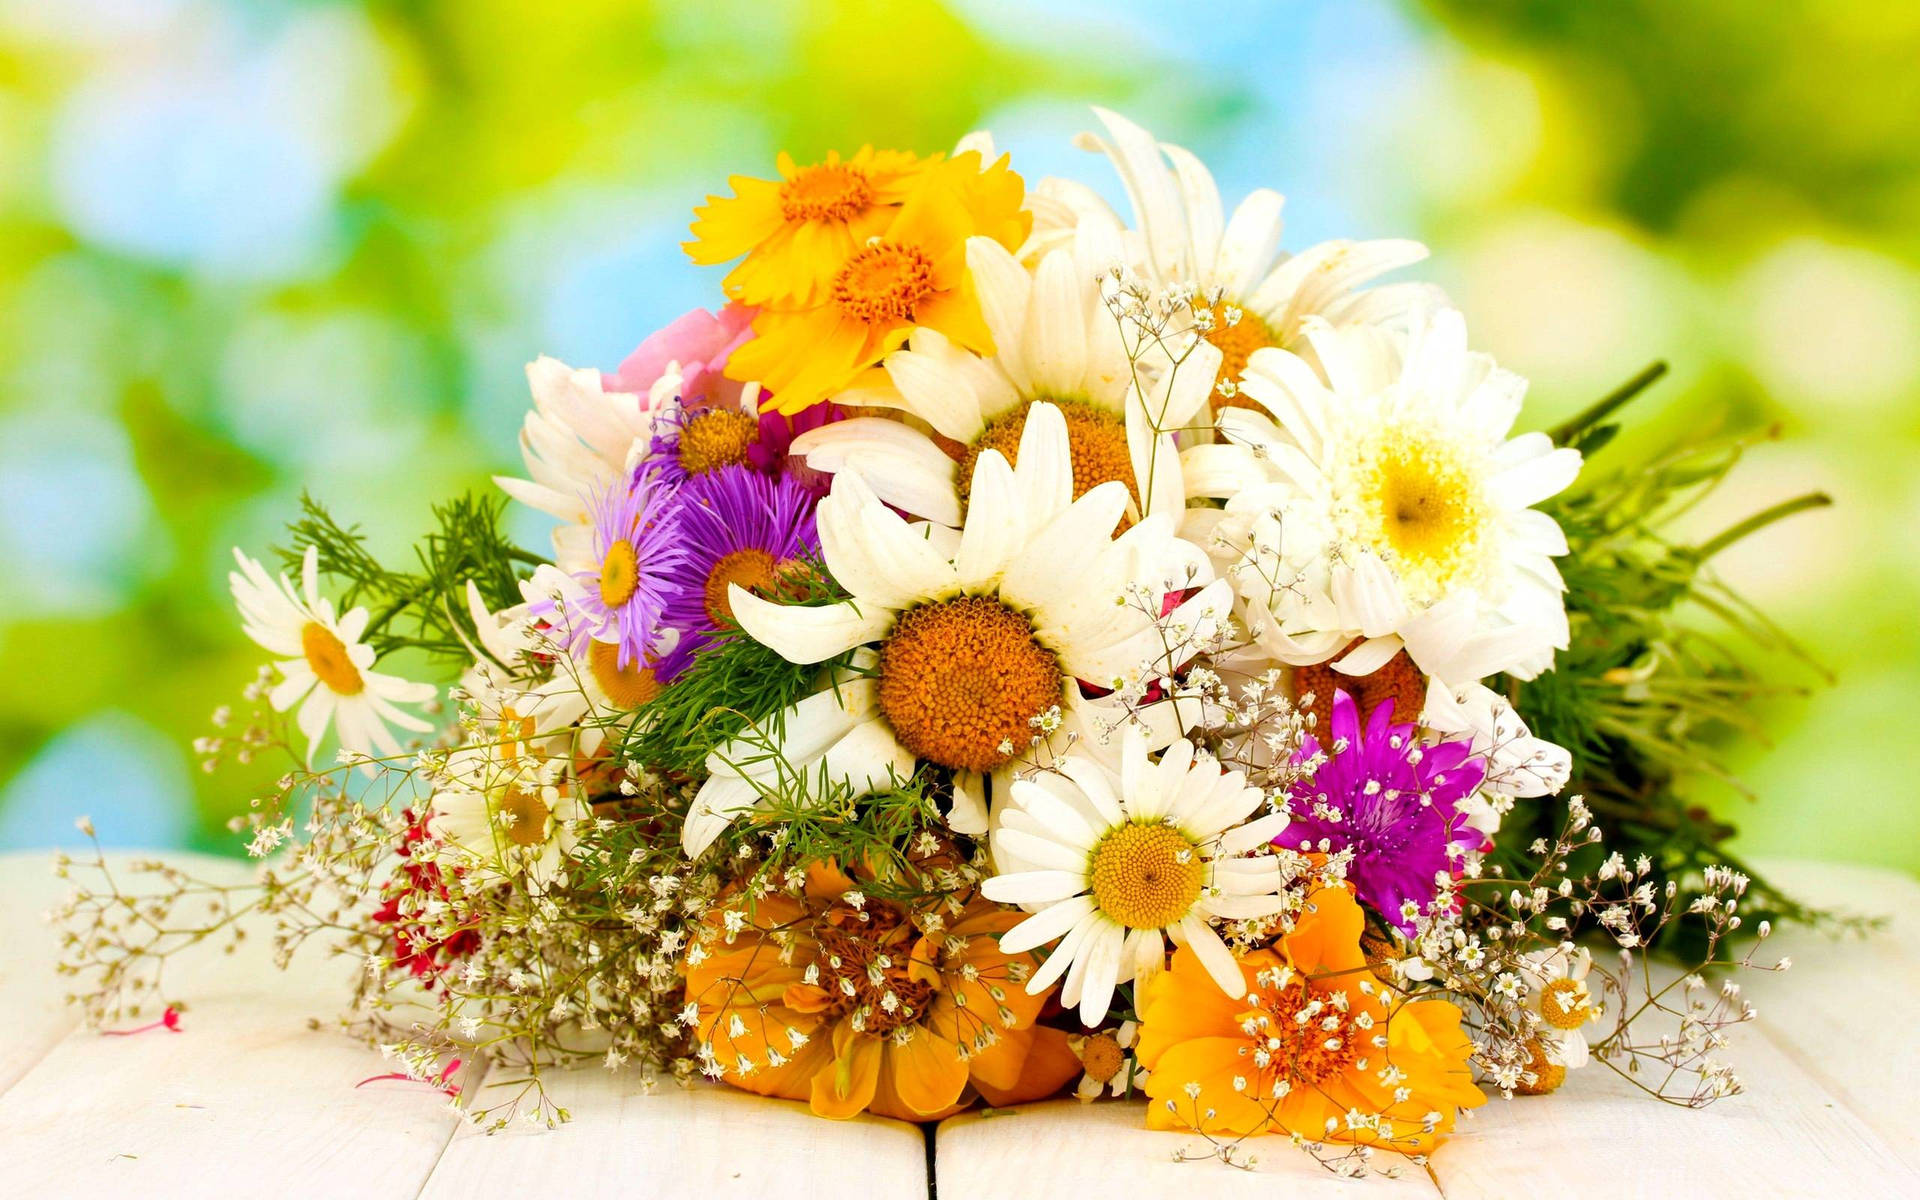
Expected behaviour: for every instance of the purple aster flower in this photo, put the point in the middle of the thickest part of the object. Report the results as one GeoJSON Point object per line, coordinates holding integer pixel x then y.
{"type": "Point", "coordinates": [621, 601]}
{"type": "Point", "coordinates": [1392, 801]}
{"type": "Point", "coordinates": [735, 525]}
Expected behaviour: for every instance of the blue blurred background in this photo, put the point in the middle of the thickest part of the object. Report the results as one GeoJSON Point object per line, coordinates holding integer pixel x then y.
{"type": "Point", "coordinates": [250, 248]}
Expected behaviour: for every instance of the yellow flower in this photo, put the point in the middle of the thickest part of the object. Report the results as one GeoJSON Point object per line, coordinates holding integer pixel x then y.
{"type": "Point", "coordinates": [798, 230]}
{"type": "Point", "coordinates": [855, 1004]}
{"type": "Point", "coordinates": [908, 270]}
{"type": "Point", "coordinates": [1317, 1047]}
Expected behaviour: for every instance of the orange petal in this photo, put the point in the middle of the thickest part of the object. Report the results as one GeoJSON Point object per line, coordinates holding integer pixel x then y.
{"type": "Point", "coordinates": [1049, 1064]}
{"type": "Point", "coordinates": [925, 1075]}
{"type": "Point", "coordinates": [846, 1086]}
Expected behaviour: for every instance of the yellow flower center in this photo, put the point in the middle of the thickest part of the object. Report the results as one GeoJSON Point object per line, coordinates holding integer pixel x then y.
{"type": "Point", "coordinates": [719, 437]}
{"type": "Point", "coordinates": [750, 568]}
{"type": "Point", "coordinates": [1300, 1034]}
{"type": "Point", "coordinates": [1146, 876]}
{"type": "Point", "coordinates": [619, 574]}
{"type": "Point", "coordinates": [1423, 503]}
{"type": "Point", "coordinates": [1096, 440]}
{"type": "Point", "coordinates": [1547, 1074]}
{"type": "Point", "coordinates": [1237, 342]}
{"type": "Point", "coordinates": [628, 687]}
{"type": "Point", "coordinates": [825, 192]}
{"type": "Point", "coordinates": [1102, 1058]}
{"type": "Point", "coordinates": [882, 282]}
{"type": "Point", "coordinates": [1564, 1004]}
{"type": "Point", "coordinates": [327, 655]}
{"type": "Point", "coordinates": [961, 682]}
{"type": "Point", "coordinates": [522, 816]}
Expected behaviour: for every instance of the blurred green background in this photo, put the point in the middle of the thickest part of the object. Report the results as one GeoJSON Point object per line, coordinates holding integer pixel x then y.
{"type": "Point", "coordinates": [253, 246]}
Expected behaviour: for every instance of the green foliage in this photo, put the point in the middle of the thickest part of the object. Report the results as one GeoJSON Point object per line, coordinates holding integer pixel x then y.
{"type": "Point", "coordinates": [1659, 673]}
{"type": "Point", "coordinates": [424, 609]}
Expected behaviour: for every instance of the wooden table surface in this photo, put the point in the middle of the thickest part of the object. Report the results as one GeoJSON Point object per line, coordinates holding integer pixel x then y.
{"type": "Point", "coordinates": [248, 1100]}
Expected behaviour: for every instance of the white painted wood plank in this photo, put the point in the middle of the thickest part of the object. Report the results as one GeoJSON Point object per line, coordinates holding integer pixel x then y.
{"type": "Point", "coordinates": [705, 1141]}
{"type": "Point", "coordinates": [33, 1016]}
{"type": "Point", "coordinates": [1067, 1148]}
{"type": "Point", "coordinates": [247, 1097]}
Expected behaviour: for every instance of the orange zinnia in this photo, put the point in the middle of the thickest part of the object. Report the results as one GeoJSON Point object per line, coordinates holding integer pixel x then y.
{"type": "Point", "coordinates": [1318, 1046]}
{"type": "Point", "coordinates": [867, 1007]}
{"type": "Point", "coordinates": [796, 231]}
{"type": "Point", "coordinates": [910, 272]}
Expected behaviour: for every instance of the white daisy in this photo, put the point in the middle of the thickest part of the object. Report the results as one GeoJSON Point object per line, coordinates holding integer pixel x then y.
{"type": "Point", "coordinates": [1557, 993]}
{"type": "Point", "coordinates": [1122, 861]}
{"type": "Point", "coordinates": [507, 812]}
{"type": "Point", "coordinates": [1107, 1064]}
{"type": "Point", "coordinates": [1055, 343]}
{"type": "Point", "coordinates": [1383, 501]}
{"type": "Point", "coordinates": [973, 638]}
{"type": "Point", "coordinates": [327, 671]}
{"type": "Point", "coordinates": [579, 441]}
{"type": "Point", "coordinates": [1259, 294]}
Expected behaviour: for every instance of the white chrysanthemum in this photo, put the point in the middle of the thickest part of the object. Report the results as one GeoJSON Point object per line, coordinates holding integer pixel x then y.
{"type": "Point", "coordinates": [327, 669]}
{"type": "Point", "coordinates": [972, 639]}
{"type": "Point", "coordinates": [1055, 343]}
{"type": "Point", "coordinates": [1122, 861]}
{"type": "Point", "coordinates": [1383, 501]}
{"type": "Point", "coordinates": [506, 811]}
{"type": "Point", "coordinates": [1557, 992]}
{"type": "Point", "coordinates": [579, 441]}
{"type": "Point", "coordinates": [1264, 295]}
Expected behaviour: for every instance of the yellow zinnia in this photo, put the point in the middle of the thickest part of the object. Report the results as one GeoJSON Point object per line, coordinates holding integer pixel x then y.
{"type": "Point", "coordinates": [1317, 1047]}
{"type": "Point", "coordinates": [910, 271]}
{"type": "Point", "coordinates": [797, 230]}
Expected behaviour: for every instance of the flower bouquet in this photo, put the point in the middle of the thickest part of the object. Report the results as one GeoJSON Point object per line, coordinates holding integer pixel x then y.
{"type": "Point", "coordinates": [1010, 650]}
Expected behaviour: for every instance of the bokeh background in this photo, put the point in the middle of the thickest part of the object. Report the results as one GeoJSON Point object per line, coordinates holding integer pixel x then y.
{"type": "Point", "coordinates": [250, 247]}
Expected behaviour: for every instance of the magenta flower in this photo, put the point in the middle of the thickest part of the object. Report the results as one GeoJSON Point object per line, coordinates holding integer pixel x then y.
{"type": "Point", "coordinates": [701, 342]}
{"type": "Point", "coordinates": [1393, 802]}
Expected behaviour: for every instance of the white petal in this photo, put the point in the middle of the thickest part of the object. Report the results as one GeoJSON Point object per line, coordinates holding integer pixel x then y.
{"type": "Point", "coordinates": [1214, 956]}
{"type": "Point", "coordinates": [802, 633]}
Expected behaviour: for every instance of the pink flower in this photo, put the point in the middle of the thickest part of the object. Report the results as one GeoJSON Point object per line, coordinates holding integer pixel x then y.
{"type": "Point", "coordinates": [701, 343]}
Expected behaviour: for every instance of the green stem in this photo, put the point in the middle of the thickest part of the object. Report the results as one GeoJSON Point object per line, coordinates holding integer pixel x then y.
{"type": "Point", "coordinates": [1759, 521]}
{"type": "Point", "coordinates": [1598, 411]}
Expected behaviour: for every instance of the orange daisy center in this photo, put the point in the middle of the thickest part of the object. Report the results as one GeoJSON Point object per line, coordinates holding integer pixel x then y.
{"type": "Point", "coordinates": [882, 282]}
{"type": "Point", "coordinates": [619, 574]}
{"type": "Point", "coordinates": [866, 956]}
{"type": "Point", "coordinates": [1237, 342]}
{"type": "Point", "coordinates": [1102, 1058]}
{"type": "Point", "coordinates": [522, 816]}
{"type": "Point", "coordinates": [751, 568]}
{"type": "Point", "coordinates": [1096, 440]}
{"type": "Point", "coordinates": [1146, 876]}
{"type": "Point", "coordinates": [1301, 1033]}
{"type": "Point", "coordinates": [1399, 680]}
{"type": "Point", "coordinates": [1547, 1074]}
{"type": "Point", "coordinates": [961, 682]}
{"type": "Point", "coordinates": [719, 437]}
{"type": "Point", "coordinates": [628, 687]}
{"type": "Point", "coordinates": [826, 192]}
{"type": "Point", "coordinates": [327, 655]}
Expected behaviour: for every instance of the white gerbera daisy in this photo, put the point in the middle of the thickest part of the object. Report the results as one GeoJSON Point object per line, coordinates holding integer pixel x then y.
{"type": "Point", "coordinates": [972, 639]}
{"type": "Point", "coordinates": [1259, 294]}
{"type": "Point", "coordinates": [580, 441]}
{"type": "Point", "coordinates": [1384, 502]}
{"type": "Point", "coordinates": [505, 811]}
{"type": "Point", "coordinates": [1124, 860]}
{"type": "Point", "coordinates": [327, 671]}
{"type": "Point", "coordinates": [1055, 343]}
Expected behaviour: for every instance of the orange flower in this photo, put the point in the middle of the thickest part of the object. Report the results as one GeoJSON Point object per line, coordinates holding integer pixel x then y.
{"type": "Point", "coordinates": [866, 1007]}
{"type": "Point", "coordinates": [910, 271]}
{"type": "Point", "coordinates": [1317, 1047]}
{"type": "Point", "coordinates": [796, 231]}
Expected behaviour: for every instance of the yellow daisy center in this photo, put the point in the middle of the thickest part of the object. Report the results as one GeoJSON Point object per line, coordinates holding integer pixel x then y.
{"type": "Point", "coordinates": [1096, 440]}
{"type": "Point", "coordinates": [327, 655]}
{"type": "Point", "coordinates": [1547, 1074]}
{"type": "Point", "coordinates": [619, 574]}
{"type": "Point", "coordinates": [1423, 503]}
{"type": "Point", "coordinates": [628, 687]}
{"type": "Point", "coordinates": [750, 568]}
{"type": "Point", "coordinates": [1564, 1004]}
{"type": "Point", "coordinates": [1102, 1058]}
{"type": "Point", "coordinates": [961, 682]}
{"type": "Point", "coordinates": [826, 192]}
{"type": "Point", "coordinates": [522, 816]}
{"type": "Point", "coordinates": [1237, 341]}
{"type": "Point", "coordinates": [882, 282]}
{"type": "Point", "coordinates": [1146, 876]}
{"type": "Point", "coordinates": [719, 437]}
